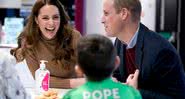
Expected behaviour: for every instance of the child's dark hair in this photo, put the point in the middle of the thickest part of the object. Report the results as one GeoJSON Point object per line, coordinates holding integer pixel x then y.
{"type": "Point", "coordinates": [96, 57]}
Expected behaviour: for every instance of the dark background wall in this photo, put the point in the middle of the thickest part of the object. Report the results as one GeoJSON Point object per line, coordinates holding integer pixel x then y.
{"type": "Point", "coordinates": [8, 12]}
{"type": "Point", "coordinates": [173, 23]}
{"type": "Point", "coordinates": [182, 32]}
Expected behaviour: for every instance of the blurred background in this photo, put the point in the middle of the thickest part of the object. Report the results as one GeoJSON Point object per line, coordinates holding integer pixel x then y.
{"type": "Point", "coordinates": [167, 17]}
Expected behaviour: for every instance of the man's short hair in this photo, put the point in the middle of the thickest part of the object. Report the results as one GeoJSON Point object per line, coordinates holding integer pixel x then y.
{"type": "Point", "coordinates": [134, 6]}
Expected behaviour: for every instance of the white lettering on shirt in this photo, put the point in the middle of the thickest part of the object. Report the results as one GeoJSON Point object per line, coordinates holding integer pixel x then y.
{"type": "Point", "coordinates": [97, 94]}
{"type": "Point", "coordinates": [86, 95]}
{"type": "Point", "coordinates": [102, 94]}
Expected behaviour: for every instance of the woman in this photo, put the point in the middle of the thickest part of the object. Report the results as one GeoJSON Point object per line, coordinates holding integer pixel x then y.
{"type": "Point", "coordinates": [48, 36]}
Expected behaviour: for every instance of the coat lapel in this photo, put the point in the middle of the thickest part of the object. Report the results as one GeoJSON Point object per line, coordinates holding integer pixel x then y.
{"type": "Point", "coordinates": [121, 50]}
{"type": "Point", "coordinates": [140, 46]}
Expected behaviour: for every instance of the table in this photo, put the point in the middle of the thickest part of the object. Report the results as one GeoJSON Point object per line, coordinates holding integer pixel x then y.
{"type": "Point", "coordinates": [61, 92]}
{"type": "Point", "coordinates": [29, 82]}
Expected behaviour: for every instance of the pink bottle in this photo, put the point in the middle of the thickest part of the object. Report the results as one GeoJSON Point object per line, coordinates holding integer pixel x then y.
{"type": "Point", "coordinates": [42, 76]}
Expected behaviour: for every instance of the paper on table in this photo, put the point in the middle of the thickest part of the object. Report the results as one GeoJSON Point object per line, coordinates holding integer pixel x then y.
{"type": "Point", "coordinates": [25, 74]}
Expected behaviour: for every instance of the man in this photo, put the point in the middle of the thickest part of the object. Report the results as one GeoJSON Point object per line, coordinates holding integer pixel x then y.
{"type": "Point", "coordinates": [161, 74]}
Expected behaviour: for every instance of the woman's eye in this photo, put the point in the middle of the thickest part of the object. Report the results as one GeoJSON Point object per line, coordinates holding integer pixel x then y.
{"type": "Point", "coordinates": [56, 18]}
{"type": "Point", "coordinates": [45, 18]}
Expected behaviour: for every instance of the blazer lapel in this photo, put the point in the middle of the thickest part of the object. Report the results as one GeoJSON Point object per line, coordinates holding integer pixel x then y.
{"type": "Point", "coordinates": [121, 50]}
{"type": "Point", "coordinates": [139, 47]}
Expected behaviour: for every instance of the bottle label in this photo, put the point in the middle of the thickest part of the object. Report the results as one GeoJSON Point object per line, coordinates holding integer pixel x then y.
{"type": "Point", "coordinates": [45, 82]}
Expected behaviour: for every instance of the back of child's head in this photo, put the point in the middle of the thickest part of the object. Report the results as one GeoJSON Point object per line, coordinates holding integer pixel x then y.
{"type": "Point", "coordinates": [96, 57]}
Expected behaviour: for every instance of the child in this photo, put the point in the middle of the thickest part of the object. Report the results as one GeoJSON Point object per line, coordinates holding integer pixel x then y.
{"type": "Point", "coordinates": [97, 59]}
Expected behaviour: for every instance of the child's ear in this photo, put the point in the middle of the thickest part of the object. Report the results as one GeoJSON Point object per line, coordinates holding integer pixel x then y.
{"type": "Point", "coordinates": [79, 71]}
{"type": "Point", "coordinates": [117, 62]}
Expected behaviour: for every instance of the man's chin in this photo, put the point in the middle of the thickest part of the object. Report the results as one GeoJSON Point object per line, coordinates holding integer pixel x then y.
{"type": "Point", "coordinates": [110, 35]}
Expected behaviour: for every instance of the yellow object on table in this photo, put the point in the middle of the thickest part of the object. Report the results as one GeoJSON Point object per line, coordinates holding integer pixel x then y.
{"type": "Point", "coordinates": [53, 93]}
{"type": "Point", "coordinates": [50, 94]}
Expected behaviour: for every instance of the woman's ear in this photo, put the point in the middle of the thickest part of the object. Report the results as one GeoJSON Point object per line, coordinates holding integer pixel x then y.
{"type": "Point", "coordinates": [36, 20]}
{"type": "Point", "coordinates": [117, 62]}
{"type": "Point", "coordinates": [79, 71]}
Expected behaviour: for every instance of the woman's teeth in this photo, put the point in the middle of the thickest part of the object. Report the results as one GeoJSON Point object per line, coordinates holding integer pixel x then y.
{"type": "Point", "coordinates": [50, 29]}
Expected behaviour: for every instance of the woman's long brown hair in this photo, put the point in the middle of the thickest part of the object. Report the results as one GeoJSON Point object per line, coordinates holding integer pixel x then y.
{"type": "Point", "coordinates": [31, 34]}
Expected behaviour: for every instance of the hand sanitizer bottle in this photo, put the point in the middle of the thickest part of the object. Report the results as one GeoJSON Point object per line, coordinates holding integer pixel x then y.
{"type": "Point", "coordinates": [42, 76]}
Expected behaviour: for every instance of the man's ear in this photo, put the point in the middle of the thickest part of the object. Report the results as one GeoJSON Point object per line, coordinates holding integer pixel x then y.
{"type": "Point", "coordinates": [117, 62]}
{"type": "Point", "coordinates": [79, 71]}
{"type": "Point", "coordinates": [124, 13]}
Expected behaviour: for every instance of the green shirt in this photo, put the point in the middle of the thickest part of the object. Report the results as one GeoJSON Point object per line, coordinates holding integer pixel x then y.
{"type": "Point", "coordinates": [106, 89]}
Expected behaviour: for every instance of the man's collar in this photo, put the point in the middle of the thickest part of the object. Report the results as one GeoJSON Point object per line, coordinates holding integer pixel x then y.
{"type": "Point", "coordinates": [133, 40]}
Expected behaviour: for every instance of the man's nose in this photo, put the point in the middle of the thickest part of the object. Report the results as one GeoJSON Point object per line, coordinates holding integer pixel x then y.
{"type": "Point", "coordinates": [102, 19]}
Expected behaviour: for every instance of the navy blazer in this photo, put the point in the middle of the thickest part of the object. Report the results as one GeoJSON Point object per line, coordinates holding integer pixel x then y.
{"type": "Point", "coordinates": [161, 70]}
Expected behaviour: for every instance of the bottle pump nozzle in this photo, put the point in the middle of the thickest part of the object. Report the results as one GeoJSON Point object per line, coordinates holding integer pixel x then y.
{"type": "Point", "coordinates": [42, 64]}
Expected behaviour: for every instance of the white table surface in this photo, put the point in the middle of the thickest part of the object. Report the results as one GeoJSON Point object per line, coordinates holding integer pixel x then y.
{"type": "Point", "coordinates": [61, 92]}
{"type": "Point", "coordinates": [28, 81]}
